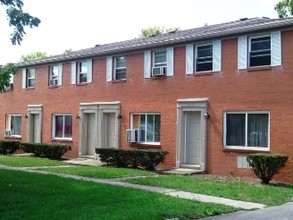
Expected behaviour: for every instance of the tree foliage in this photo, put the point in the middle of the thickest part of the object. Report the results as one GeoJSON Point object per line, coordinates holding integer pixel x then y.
{"type": "Point", "coordinates": [284, 8]}
{"type": "Point", "coordinates": [6, 73]}
{"type": "Point", "coordinates": [33, 56]}
{"type": "Point", "coordinates": [153, 31]}
{"type": "Point", "coordinates": [18, 19]}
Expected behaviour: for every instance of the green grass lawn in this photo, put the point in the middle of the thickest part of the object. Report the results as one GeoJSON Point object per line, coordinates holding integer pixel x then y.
{"type": "Point", "coordinates": [223, 187]}
{"type": "Point", "coordinates": [35, 196]}
{"type": "Point", "coordinates": [99, 172]}
{"type": "Point", "coordinates": [27, 161]}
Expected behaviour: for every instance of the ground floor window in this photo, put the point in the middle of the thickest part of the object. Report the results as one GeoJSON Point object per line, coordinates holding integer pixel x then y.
{"type": "Point", "coordinates": [13, 125]}
{"type": "Point", "coordinates": [148, 125]}
{"type": "Point", "coordinates": [62, 126]}
{"type": "Point", "coordinates": [246, 129]}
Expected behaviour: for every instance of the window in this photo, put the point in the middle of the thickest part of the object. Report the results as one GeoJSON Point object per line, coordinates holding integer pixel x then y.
{"type": "Point", "coordinates": [13, 125]}
{"type": "Point", "coordinates": [159, 64]}
{"type": "Point", "coordinates": [249, 130]}
{"type": "Point", "coordinates": [30, 78]}
{"type": "Point", "coordinates": [260, 51]}
{"type": "Point", "coordinates": [119, 68]}
{"type": "Point", "coordinates": [62, 126]}
{"type": "Point", "coordinates": [81, 72]}
{"type": "Point", "coordinates": [149, 126]}
{"type": "Point", "coordinates": [204, 58]}
{"type": "Point", "coordinates": [55, 75]}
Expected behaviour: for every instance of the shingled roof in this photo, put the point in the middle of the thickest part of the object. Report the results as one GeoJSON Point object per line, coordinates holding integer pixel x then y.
{"type": "Point", "coordinates": [229, 29]}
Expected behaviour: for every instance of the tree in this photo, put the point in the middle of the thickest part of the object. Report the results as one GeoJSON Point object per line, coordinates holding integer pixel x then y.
{"type": "Point", "coordinates": [284, 8]}
{"type": "Point", "coordinates": [33, 56]}
{"type": "Point", "coordinates": [153, 31]}
{"type": "Point", "coordinates": [6, 73]}
{"type": "Point", "coordinates": [18, 19]}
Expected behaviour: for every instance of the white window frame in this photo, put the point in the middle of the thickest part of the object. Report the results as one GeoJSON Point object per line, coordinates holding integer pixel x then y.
{"type": "Point", "coordinates": [8, 124]}
{"type": "Point", "coordinates": [63, 125]}
{"type": "Point", "coordinates": [53, 77]}
{"type": "Point", "coordinates": [119, 68]}
{"type": "Point", "coordinates": [246, 148]}
{"type": "Point", "coordinates": [79, 73]}
{"type": "Point", "coordinates": [249, 49]}
{"type": "Point", "coordinates": [28, 71]}
{"type": "Point", "coordinates": [132, 127]}
{"type": "Point", "coordinates": [196, 55]}
{"type": "Point", "coordinates": [161, 64]}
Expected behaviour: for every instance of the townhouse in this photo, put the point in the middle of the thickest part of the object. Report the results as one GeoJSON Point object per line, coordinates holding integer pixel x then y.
{"type": "Point", "coordinates": [209, 96]}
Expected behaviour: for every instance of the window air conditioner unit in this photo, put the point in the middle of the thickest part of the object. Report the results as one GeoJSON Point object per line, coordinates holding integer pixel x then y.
{"type": "Point", "coordinates": [8, 132]}
{"type": "Point", "coordinates": [131, 135]}
{"type": "Point", "coordinates": [159, 71]}
{"type": "Point", "coordinates": [53, 82]}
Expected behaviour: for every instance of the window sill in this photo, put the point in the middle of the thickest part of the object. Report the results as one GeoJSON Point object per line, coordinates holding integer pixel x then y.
{"type": "Point", "coordinates": [13, 138]}
{"type": "Point", "coordinates": [259, 68]}
{"type": "Point", "coordinates": [145, 145]}
{"type": "Point", "coordinates": [205, 73]}
{"type": "Point", "coordinates": [81, 84]}
{"type": "Point", "coordinates": [119, 81]}
{"type": "Point", "coordinates": [29, 88]}
{"type": "Point", "coordinates": [158, 77]}
{"type": "Point", "coordinates": [62, 140]}
{"type": "Point", "coordinates": [246, 149]}
{"type": "Point", "coordinates": [53, 86]}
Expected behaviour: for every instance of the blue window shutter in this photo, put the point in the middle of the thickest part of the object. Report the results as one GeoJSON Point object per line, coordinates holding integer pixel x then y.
{"type": "Point", "coordinates": [147, 64]}
{"type": "Point", "coordinates": [242, 52]}
{"type": "Point", "coordinates": [189, 59]}
{"type": "Point", "coordinates": [217, 53]}
{"type": "Point", "coordinates": [109, 69]}
{"type": "Point", "coordinates": [60, 74]}
{"type": "Point", "coordinates": [73, 72]}
{"type": "Point", "coordinates": [170, 61]}
{"type": "Point", "coordinates": [90, 71]}
{"type": "Point", "coordinates": [276, 53]}
{"type": "Point", "coordinates": [23, 78]}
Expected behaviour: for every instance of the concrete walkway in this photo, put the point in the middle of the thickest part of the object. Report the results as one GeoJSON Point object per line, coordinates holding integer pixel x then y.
{"type": "Point", "coordinates": [165, 191]}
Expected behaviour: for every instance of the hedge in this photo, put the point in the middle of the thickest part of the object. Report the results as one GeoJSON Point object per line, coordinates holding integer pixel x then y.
{"type": "Point", "coordinates": [144, 159]}
{"type": "Point", "coordinates": [52, 151]}
{"type": "Point", "coordinates": [9, 147]}
{"type": "Point", "coordinates": [266, 165]}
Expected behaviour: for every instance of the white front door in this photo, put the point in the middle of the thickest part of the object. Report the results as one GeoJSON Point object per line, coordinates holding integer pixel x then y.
{"type": "Point", "coordinates": [110, 133]}
{"type": "Point", "coordinates": [90, 134]}
{"type": "Point", "coordinates": [192, 138]}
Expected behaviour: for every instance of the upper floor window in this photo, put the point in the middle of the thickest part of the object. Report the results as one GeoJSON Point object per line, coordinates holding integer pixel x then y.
{"type": "Point", "coordinates": [28, 78]}
{"type": "Point", "coordinates": [55, 75]}
{"type": "Point", "coordinates": [249, 130]}
{"type": "Point", "coordinates": [260, 51]}
{"type": "Point", "coordinates": [62, 126]}
{"type": "Point", "coordinates": [149, 126]}
{"type": "Point", "coordinates": [120, 68]}
{"type": "Point", "coordinates": [159, 63]}
{"type": "Point", "coordinates": [257, 51]}
{"type": "Point", "coordinates": [81, 72]}
{"type": "Point", "coordinates": [13, 125]}
{"type": "Point", "coordinates": [203, 57]}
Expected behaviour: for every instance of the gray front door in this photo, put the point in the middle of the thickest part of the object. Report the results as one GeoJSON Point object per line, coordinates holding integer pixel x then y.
{"type": "Point", "coordinates": [192, 138]}
{"type": "Point", "coordinates": [35, 128]}
{"type": "Point", "coordinates": [110, 133]}
{"type": "Point", "coordinates": [90, 134]}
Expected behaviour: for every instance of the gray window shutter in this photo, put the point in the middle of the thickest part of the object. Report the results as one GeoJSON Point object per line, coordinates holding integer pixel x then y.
{"type": "Point", "coordinates": [276, 56]}
{"type": "Point", "coordinates": [217, 56]}
{"type": "Point", "coordinates": [23, 78]}
{"type": "Point", "coordinates": [170, 61]}
{"type": "Point", "coordinates": [242, 52]}
{"type": "Point", "coordinates": [109, 70]}
{"type": "Point", "coordinates": [147, 64]}
{"type": "Point", "coordinates": [189, 59]}
{"type": "Point", "coordinates": [90, 71]}
{"type": "Point", "coordinates": [60, 74]}
{"type": "Point", "coordinates": [73, 72]}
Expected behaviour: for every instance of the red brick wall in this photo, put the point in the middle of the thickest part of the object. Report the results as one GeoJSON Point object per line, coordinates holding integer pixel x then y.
{"type": "Point", "coordinates": [264, 89]}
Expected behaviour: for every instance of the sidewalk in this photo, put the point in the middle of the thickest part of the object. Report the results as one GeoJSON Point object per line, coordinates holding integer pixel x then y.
{"type": "Point", "coordinates": [165, 191]}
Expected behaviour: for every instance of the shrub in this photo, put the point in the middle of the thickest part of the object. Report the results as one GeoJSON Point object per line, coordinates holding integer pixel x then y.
{"type": "Point", "coordinates": [145, 159]}
{"type": "Point", "coordinates": [265, 166]}
{"type": "Point", "coordinates": [52, 151]}
{"type": "Point", "coordinates": [9, 147]}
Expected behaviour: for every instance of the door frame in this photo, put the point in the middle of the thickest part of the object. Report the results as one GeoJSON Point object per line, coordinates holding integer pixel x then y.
{"type": "Point", "coordinates": [34, 110]}
{"type": "Point", "coordinates": [99, 109]}
{"type": "Point", "coordinates": [191, 105]}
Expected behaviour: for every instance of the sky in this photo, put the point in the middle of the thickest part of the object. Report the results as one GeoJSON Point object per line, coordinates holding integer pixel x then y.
{"type": "Point", "coordinates": [72, 24]}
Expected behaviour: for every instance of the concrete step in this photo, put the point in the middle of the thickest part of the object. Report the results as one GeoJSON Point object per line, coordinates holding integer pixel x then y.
{"type": "Point", "coordinates": [190, 166]}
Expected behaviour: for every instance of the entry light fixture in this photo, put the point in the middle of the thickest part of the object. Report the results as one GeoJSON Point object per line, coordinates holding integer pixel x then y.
{"type": "Point", "coordinates": [206, 115]}
{"type": "Point", "coordinates": [119, 116]}
{"type": "Point", "coordinates": [25, 115]}
{"type": "Point", "coordinates": [77, 117]}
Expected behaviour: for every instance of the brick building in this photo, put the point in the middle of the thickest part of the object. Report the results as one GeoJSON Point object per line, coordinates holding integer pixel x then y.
{"type": "Point", "coordinates": [208, 96]}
